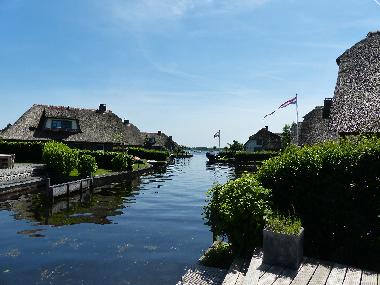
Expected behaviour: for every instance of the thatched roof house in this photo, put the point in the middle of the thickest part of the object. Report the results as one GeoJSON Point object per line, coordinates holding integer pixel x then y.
{"type": "Point", "coordinates": [89, 128]}
{"type": "Point", "coordinates": [263, 140]}
{"type": "Point", "coordinates": [315, 126]}
{"type": "Point", "coordinates": [356, 103]}
{"type": "Point", "coordinates": [159, 140]}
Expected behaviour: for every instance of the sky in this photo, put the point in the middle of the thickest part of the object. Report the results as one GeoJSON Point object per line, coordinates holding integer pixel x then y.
{"type": "Point", "coordinates": [185, 67]}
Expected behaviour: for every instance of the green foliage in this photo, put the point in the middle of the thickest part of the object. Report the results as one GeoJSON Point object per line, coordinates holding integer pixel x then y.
{"type": "Point", "coordinates": [243, 156]}
{"type": "Point", "coordinates": [86, 165]}
{"type": "Point", "coordinates": [236, 210]}
{"type": "Point", "coordinates": [148, 153]}
{"type": "Point", "coordinates": [103, 158]}
{"type": "Point", "coordinates": [286, 136]}
{"type": "Point", "coordinates": [24, 151]}
{"type": "Point", "coordinates": [235, 146]}
{"type": "Point", "coordinates": [59, 158]}
{"type": "Point", "coordinates": [283, 224]}
{"type": "Point", "coordinates": [121, 162]}
{"type": "Point", "coordinates": [219, 255]}
{"type": "Point", "coordinates": [334, 188]}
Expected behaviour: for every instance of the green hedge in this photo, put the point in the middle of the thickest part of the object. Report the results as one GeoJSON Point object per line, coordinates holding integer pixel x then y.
{"type": "Point", "coordinates": [335, 189]}
{"type": "Point", "coordinates": [122, 162]}
{"type": "Point", "coordinates": [59, 158]}
{"type": "Point", "coordinates": [148, 153]}
{"type": "Point", "coordinates": [103, 158]}
{"type": "Point", "coordinates": [243, 156]}
{"type": "Point", "coordinates": [86, 165]}
{"type": "Point", "coordinates": [24, 151]}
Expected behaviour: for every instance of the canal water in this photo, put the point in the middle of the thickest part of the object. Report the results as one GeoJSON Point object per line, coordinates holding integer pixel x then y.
{"type": "Point", "coordinates": [145, 231]}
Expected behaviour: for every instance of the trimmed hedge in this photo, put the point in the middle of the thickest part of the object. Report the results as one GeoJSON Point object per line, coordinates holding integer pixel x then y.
{"type": "Point", "coordinates": [148, 153]}
{"type": "Point", "coordinates": [122, 162]}
{"type": "Point", "coordinates": [243, 156]}
{"type": "Point", "coordinates": [334, 188]}
{"type": "Point", "coordinates": [59, 158]}
{"type": "Point", "coordinates": [25, 151]}
{"type": "Point", "coordinates": [103, 158]}
{"type": "Point", "coordinates": [86, 165]}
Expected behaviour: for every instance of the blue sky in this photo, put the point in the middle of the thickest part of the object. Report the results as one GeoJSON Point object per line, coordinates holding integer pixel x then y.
{"type": "Point", "coordinates": [186, 67]}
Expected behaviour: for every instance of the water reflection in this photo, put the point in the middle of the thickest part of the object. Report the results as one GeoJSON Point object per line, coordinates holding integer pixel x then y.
{"type": "Point", "coordinates": [144, 231]}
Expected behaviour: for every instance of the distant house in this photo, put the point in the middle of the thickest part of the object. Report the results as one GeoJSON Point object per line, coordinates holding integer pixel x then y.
{"type": "Point", "coordinates": [356, 103]}
{"type": "Point", "coordinates": [263, 140]}
{"type": "Point", "coordinates": [159, 141]}
{"type": "Point", "coordinates": [82, 128]}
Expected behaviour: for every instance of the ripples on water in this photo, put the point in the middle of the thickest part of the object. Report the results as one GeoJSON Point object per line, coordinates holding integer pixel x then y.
{"type": "Point", "coordinates": [144, 231]}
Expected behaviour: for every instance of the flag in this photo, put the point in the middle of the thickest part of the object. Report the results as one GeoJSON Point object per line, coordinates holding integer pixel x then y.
{"type": "Point", "coordinates": [269, 114]}
{"type": "Point", "coordinates": [289, 102]}
{"type": "Point", "coordinates": [217, 134]}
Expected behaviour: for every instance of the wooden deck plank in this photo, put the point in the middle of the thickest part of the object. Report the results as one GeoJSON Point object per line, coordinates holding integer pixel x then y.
{"type": "Point", "coordinates": [256, 268]}
{"type": "Point", "coordinates": [321, 274]}
{"type": "Point", "coordinates": [234, 272]}
{"type": "Point", "coordinates": [369, 278]}
{"type": "Point", "coordinates": [305, 274]}
{"type": "Point", "coordinates": [337, 274]}
{"type": "Point", "coordinates": [352, 277]}
{"type": "Point", "coordinates": [271, 275]}
{"type": "Point", "coordinates": [287, 276]}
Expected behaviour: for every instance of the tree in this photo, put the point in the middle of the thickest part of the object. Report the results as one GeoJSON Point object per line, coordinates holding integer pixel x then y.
{"type": "Point", "coordinates": [286, 136]}
{"type": "Point", "coordinates": [236, 146]}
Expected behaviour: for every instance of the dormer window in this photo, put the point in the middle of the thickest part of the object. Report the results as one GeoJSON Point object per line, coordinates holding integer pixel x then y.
{"type": "Point", "coordinates": [61, 124]}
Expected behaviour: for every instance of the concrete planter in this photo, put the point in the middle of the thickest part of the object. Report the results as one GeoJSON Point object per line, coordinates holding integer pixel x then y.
{"type": "Point", "coordinates": [283, 249]}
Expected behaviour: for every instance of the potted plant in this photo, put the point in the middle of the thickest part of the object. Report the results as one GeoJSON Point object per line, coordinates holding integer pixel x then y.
{"type": "Point", "coordinates": [283, 241]}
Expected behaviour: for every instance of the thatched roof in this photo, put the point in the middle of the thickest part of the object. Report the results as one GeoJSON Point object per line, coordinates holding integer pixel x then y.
{"type": "Point", "coordinates": [314, 128]}
{"type": "Point", "coordinates": [356, 102]}
{"type": "Point", "coordinates": [161, 140]}
{"type": "Point", "coordinates": [95, 126]}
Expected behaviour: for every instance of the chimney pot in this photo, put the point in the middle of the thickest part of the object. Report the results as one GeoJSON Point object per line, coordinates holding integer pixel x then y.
{"type": "Point", "coordinates": [266, 128]}
{"type": "Point", "coordinates": [102, 108]}
{"type": "Point", "coordinates": [159, 133]}
{"type": "Point", "coordinates": [126, 122]}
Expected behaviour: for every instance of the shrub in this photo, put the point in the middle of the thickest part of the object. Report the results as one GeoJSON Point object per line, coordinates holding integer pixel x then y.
{"type": "Point", "coordinates": [243, 156]}
{"type": "Point", "coordinates": [59, 158]}
{"type": "Point", "coordinates": [86, 165]}
{"type": "Point", "coordinates": [122, 162]}
{"type": "Point", "coordinates": [236, 210]}
{"type": "Point", "coordinates": [148, 153]}
{"type": "Point", "coordinates": [218, 255]}
{"type": "Point", "coordinates": [24, 151]}
{"type": "Point", "coordinates": [103, 158]}
{"type": "Point", "coordinates": [334, 188]}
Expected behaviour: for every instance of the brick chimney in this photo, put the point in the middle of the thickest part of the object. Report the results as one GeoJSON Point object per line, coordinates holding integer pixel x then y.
{"type": "Point", "coordinates": [159, 133]}
{"type": "Point", "coordinates": [266, 128]}
{"type": "Point", "coordinates": [126, 122]}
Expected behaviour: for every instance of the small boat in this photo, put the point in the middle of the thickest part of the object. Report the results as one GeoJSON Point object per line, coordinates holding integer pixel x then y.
{"type": "Point", "coordinates": [212, 156]}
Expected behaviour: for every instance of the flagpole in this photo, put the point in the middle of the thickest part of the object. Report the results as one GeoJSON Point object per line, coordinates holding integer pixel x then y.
{"type": "Point", "coordinates": [219, 139]}
{"type": "Point", "coordinates": [297, 118]}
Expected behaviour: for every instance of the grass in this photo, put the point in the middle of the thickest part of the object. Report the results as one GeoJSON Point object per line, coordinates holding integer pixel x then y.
{"type": "Point", "coordinates": [137, 166]}
{"type": "Point", "coordinates": [100, 171]}
{"type": "Point", "coordinates": [218, 255]}
{"type": "Point", "coordinates": [283, 224]}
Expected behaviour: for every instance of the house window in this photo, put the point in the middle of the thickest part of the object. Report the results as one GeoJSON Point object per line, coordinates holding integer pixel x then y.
{"type": "Point", "coordinates": [62, 124]}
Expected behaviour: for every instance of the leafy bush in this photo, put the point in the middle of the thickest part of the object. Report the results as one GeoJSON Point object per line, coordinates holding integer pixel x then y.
{"type": "Point", "coordinates": [236, 210]}
{"type": "Point", "coordinates": [59, 158]}
{"type": "Point", "coordinates": [103, 158]}
{"type": "Point", "coordinates": [24, 151]}
{"type": "Point", "coordinates": [122, 162]}
{"type": "Point", "coordinates": [218, 255]}
{"type": "Point", "coordinates": [334, 188]}
{"type": "Point", "coordinates": [283, 224]}
{"type": "Point", "coordinates": [148, 153]}
{"type": "Point", "coordinates": [86, 165]}
{"type": "Point", "coordinates": [243, 156]}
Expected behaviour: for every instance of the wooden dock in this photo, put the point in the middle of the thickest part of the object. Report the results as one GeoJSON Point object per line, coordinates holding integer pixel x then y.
{"type": "Point", "coordinates": [311, 272]}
